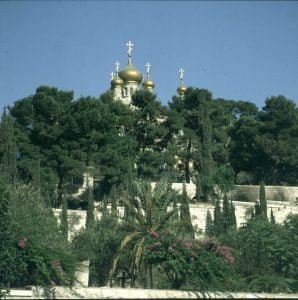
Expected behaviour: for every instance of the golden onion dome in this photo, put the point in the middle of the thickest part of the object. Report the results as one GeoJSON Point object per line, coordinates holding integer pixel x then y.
{"type": "Point", "coordinates": [148, 83]}
{"type": "Point", "coordinates": [116, 81]}
{"type": "Point", "coordinates": [181, 89]}
{"type": "Point", "coordinates": [131, 74]}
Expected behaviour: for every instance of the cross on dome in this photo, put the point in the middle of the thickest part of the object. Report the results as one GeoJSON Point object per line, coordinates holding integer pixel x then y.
{"type": "Point", "coordinates": [147, 69]}
{"type": "Point", "coordinates": [117, 64]}
{"type": "Point", "coordinates": [181, 72]}
{"type": "Point", "coordinates": [112, 75]}
{"type": "Point", "coordinates": [130, 46]}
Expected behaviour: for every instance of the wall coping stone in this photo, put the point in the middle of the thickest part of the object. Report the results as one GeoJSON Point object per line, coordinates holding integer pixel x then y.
{"type": "Point", "coordinates": [61, 292]}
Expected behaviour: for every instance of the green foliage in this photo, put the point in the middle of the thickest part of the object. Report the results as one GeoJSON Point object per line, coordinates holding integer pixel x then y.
{"type": "Point", "coordinates": [225, 218]}
{"type": "Point", "coordinates": [191, 264]}
{"type": "Point", "coordinates": [224, 177]}
{"type": "Point", "coordinates": [48, 139]}
{"type": "Point", "coordinates": [265, 145]}
{"type": "Point", "coordinates": [147, 214]}
{"type": "Point", "coordinates": [8, 252]}
{"type": "Point", "coordinates": [207, 187]}
{"type": "Point", "coordinates": [98, 245]}
{"type": "Point", "coordinates": [267, 253]}
{"type": "Point", "coordinates": [35, 252]}
{"type": "Point", "coordinates": [8, 149]}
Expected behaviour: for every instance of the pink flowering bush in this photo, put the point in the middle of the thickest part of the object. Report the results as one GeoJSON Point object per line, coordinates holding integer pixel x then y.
{"type": "Point", "coordinates": [44, 266]}
{"type": "Point", "coordinates": [22, 242]}
{"type": "Point", "coordinates": [32, 250]}
{"type": "Point", "coordinates": [222, 250]}
{"type": "Point", "coordinates": [190, 264]}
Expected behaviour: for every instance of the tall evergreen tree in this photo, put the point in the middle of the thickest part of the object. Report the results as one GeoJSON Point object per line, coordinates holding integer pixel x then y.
{"type": "Point", "coordinates": [257, 210]}
{"type": "Point", "coordinates": [64, 219]}
{"type": "Point", "coordinates": [217, 219]}
{"type": "Point", "coordinates": [198, 188]}
{"type": "Point", "coordinates": [272, 218]}
{"type": "Point", "coordinates": [7, 251]}
{"type": "Point", "coordinates": [233, 219]}
{"type": "Point", "coordinates": [209, 230]}
{"type": "Point", "coordinates": [113, 197]}
{"type": "Point", "coordinates": [8, 150]}
{"type": "Point", "coordinates": [185, 217]}
{"type": "Point", "coordinates": [90, 219]}
{"type": "Point", "coordinates": [226, 217]}
{"type": "Point", "coordinates": [263, 201]}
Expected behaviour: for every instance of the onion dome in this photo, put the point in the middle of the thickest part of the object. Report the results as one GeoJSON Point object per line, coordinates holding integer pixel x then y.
{"type": "Point", "coordinates": [181, 89]}
{"type": "Point", "coordinates": [131, 74]}
{"type": "Point", "coordinates": [116, 81]}
{"type": "Point", "coordinates": [148, 83]}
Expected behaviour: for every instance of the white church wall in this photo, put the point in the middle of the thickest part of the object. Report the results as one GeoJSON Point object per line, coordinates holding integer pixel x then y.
{"type": "Point", "coordinates": [77, 218]}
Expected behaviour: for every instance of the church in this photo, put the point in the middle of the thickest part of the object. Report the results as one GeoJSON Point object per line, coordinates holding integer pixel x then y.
{"type": "Point", "coordinates": [125, 82]}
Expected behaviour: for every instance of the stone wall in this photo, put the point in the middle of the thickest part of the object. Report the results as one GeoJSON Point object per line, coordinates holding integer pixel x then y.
{"type": "Point", "coordinates": [250, 193]}
{"type": "Point", "coordinates": [280, 210]}
{"type": "Point", "coordinates": [77, 218]}
{"type": "Point", "coordinates": [130, 293]}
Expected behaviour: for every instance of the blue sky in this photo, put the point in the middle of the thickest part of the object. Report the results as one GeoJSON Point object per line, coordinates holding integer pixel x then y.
{"type": "Point", "coordinates": [238, 50]}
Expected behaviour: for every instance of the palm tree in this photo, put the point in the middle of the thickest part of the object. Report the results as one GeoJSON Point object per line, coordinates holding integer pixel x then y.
{"type": "Point", "coordinates": [148, 212]}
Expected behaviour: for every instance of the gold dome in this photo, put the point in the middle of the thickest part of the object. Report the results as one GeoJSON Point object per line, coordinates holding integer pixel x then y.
{"type": "Point", "coordinates": [148, 83]}
{"type": "Point", "coordinates": [181, 89]}
{"type": "Point", "coordinates": [131, 74]}
{"type": "Point", "coordinates": [116, 81]}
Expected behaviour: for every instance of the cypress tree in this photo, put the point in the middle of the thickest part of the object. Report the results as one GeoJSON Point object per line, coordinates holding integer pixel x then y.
{"type": "Point", "coordinates": [209, 225]}
{"type": "Point", "coordinates": [233, 220]}
{"type": "Point", "coordinates": [64, 218]}
{"type": "Point", "coordinates": [7, 248]}
{"type": "Point", "coordinates": [105, 204]}
{"type": "Point", "coordinates": [217, 219]}
{"type": "Point", "coordinates": [263, 201]}
{"type": "Point", "coordinates": [90, 209]}
{"type": "Point", "coordinates": [206, 132]}
{"type": "Point", "coordinates": [8, 149]}
{"type": "Point", "coordinates": [272, 218]}
{"type": "Point", "coordinates": [114, 201]}
{"type": "Point", "coordinates": [257, 210]}
{"type": "Point", "coordinates": [226, 219]}
{"type": "Point", "coordinates": [198, 187]}
{"type": "Point", "coordinates": [185, 218]}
